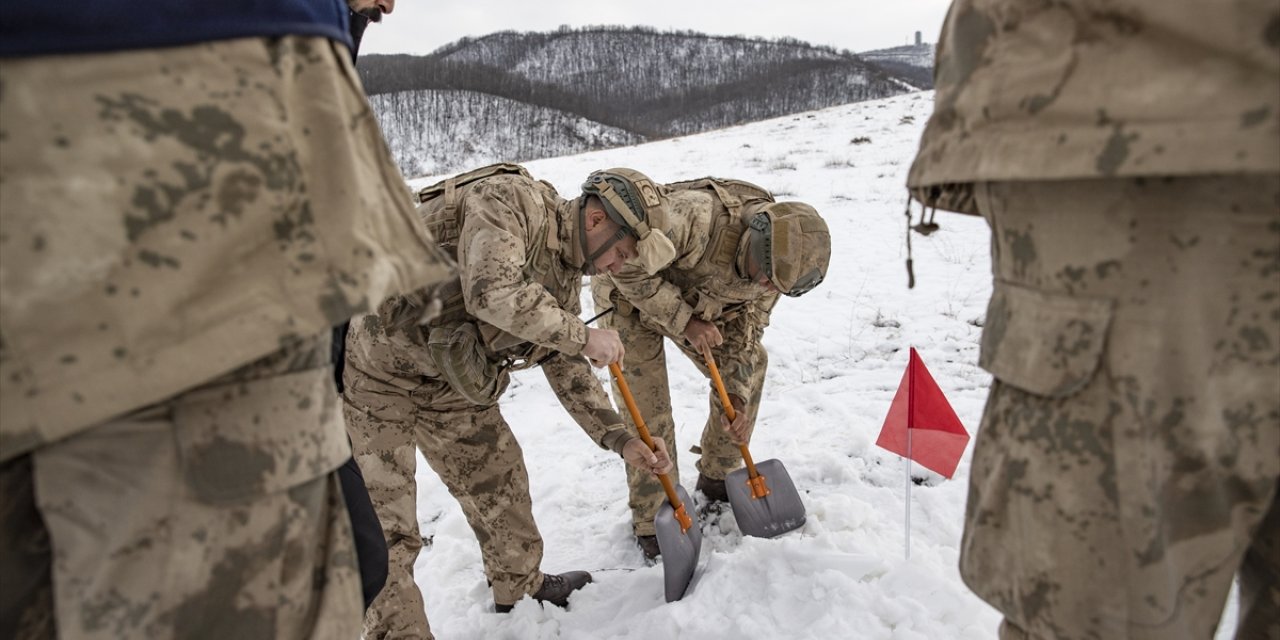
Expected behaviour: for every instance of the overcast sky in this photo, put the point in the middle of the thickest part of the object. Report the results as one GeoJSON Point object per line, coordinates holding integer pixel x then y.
{"type": "Point", "coordinates": [421, 26]}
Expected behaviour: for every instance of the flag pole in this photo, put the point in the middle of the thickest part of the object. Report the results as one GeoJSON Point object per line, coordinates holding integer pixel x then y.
{"type": "Point", "coordinates": [911, 414]}
{"type": "Point", "coordinates": [908, 518]}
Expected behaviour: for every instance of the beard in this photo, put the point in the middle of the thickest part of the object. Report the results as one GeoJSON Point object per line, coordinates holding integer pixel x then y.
{"type": "Point", "coordinates": [372, 14]}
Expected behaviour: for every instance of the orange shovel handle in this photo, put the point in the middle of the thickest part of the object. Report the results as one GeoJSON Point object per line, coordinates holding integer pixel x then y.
{"type": "Point", "coordinates": [682, 516]}
{"type": "Point", "coordinates": [758, 488]}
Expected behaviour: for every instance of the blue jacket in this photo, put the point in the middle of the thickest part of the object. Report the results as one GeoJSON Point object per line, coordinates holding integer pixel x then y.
{"type": "Point", "coordinates": [29, 27]}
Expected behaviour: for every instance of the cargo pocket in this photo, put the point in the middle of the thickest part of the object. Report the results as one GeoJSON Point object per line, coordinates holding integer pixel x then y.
{"type": "Point", "coordinates": [621, 306]}
{"type": "Point", "coordinates": [259, 437]}
{"type": "Point", "coordinates": [1047, 344]}
{"type": "Point", "coordinates": [605, 295]}
{"type": "Point", "coordinates": [463, 363]}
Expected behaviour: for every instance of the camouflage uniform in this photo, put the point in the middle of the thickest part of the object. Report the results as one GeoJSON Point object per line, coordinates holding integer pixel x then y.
{"type": "Point", "coordinates": [167, 216]}
{"type": "Point", "coordinates": [1125, 156]}
{"type": "Point", "coordinates": [703, 281]}
{"type": "Point", "coordinates": [516, 301]}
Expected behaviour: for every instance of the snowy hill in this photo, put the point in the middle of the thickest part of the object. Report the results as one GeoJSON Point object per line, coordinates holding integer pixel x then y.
{"type": "Point", "coordinates": [913, 62]}
{"type": "Point", "coordinates": [437, 131]}
{"type": "Point", "coordinates": [916, 55]}
{"type": "Point", "coordinates": [836, 357]}
{"type": "Point", "coordinates": [648, 83]}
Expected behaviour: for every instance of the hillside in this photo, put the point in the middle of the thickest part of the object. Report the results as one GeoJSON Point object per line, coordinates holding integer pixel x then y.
{"type": "Point", "coordinates": [439, 131]}
{"type": "Point", "coordinates": [647, 83]}
{"type": "Point", "coordinates": [913, 62]}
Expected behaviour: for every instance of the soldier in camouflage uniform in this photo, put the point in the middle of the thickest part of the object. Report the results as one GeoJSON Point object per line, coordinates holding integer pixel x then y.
{"type": "Point", "coordinates": [735, 251]}
{"type": "Point", "coordinates": [1127, 158]}
{"type": "Point", "coordinates": [175, 228]}
{"type": "Point", "coordinates": [434, 387]}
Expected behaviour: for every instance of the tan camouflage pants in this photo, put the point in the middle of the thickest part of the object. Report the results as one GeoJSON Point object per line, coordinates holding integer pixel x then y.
{"type": "Point", "coordinates": [215, 514]}
{"type": "Point", "coordinates": [1126, 467]}
{"type": "Point", "coordinates": [474, 452]}
{"type": "Point", "coordinates": [646, 372]}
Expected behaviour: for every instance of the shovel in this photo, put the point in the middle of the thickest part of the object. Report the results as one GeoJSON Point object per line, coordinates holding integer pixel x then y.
{"type": "Point", "coordinates": [679, 539]}
{"type": "Point", "coordinates": [764, 500]}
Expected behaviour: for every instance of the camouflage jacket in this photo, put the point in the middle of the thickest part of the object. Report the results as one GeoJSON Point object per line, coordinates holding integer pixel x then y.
{"type": "Point", "coordinates": [1087, 89]}
{"type": "Point", "coordinates": [156, 234]}
{"type": "Point", "coordinates": [520, 280]}
{"type": "Point", "coordinates": [702, 281]}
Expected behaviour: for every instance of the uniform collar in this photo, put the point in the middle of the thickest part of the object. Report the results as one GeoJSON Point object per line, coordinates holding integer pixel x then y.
{"type": "Point", "coordinates": [569, 233]}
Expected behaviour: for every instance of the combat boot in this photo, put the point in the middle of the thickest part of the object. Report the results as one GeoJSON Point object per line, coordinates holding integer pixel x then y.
{"type": "Point", "coordinates": [555, 589]}
{"type": "Point", "coordinates": [713, 489]}
{"type": "Point", "coordinates": [649, 546]}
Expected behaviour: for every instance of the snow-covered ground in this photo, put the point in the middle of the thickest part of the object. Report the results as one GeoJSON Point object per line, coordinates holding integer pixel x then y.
{"type": "Point", "coordinates": [836, 357]}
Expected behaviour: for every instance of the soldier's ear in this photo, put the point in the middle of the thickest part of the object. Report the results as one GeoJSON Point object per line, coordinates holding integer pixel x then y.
{"type": "Point", "coordinates": [595, 216]}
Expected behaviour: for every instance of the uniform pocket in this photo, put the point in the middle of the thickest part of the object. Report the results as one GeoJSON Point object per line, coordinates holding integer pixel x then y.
{"type": "Point", "coordinates": [461, 359]}
{"type": "Point", "coordinates": [1044, 343]}
{"type": "Point", "coordinates": [259, 437]}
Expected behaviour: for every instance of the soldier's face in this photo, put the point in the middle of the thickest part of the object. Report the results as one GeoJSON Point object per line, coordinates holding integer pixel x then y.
{"type": "Point", "coordinates": [600, 231]}
{"type": "Point", "coordinates": [622, 251]}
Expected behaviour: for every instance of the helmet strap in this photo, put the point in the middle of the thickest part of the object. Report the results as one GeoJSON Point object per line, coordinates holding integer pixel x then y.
{"type": "Point", "coordinates": [582, 236]}
{"type": "Point", "coordinates": [589, 261]}
{"type": "Point", "coordinates": [741, 262]}
{"type": "Point", "coordinates": [610, 198]}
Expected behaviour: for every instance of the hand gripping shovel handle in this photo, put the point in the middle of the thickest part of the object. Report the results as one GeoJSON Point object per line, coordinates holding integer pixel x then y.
{"type": "Point", "coordinates": [682, 516]}
{"type": "Point", "coordinates": [758, 487]}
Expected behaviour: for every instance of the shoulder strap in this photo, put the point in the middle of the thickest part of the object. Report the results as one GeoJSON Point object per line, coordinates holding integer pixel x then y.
{"type": "Point", "coordinates": [450, 186]}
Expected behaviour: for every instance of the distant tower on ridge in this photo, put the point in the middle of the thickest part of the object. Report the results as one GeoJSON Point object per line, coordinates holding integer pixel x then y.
{"type": "Point", "coordinates": [918, 43]}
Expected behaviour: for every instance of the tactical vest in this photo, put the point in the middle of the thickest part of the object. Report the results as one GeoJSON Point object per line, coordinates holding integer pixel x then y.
{"type": "Point", "coordinates": [704, 286]}
{"type": "Point", "coordinates": [442, 213]}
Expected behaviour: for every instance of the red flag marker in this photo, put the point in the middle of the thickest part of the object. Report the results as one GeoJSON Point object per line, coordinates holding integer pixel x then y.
{"type": "Point", "coordinates": [921, 424]}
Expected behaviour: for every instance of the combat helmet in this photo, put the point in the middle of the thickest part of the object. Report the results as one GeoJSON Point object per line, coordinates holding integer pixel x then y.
{"type": "Point", "coordinates": [792, 244]}
{"type": "Point", "coordinates": [632, 201]}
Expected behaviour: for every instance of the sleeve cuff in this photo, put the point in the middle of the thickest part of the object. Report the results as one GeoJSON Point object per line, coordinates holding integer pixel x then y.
{"type": "Point", "coordinates": [683, 314]}
{"type": "Point", "coordinates": [575, 339]}
{"type": "Point", "coordinates": [615, 438]}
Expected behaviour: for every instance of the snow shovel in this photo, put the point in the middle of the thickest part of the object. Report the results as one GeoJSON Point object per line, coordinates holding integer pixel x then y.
{"type": "Point", "coordinates": [679, 537]}
{"type": "Point", "coordinates": [764, 500]}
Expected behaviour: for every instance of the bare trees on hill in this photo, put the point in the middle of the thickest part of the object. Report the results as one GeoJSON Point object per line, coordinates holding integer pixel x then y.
{"type": "Point", "coordinates": [519, 96]}
{"type": "Point", "coordinates": [652, 83]}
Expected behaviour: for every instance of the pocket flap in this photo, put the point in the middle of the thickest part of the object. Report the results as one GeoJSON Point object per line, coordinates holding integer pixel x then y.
{"type": "Point", "coordinates": [260, 437]}
{"type": "Point", "coordinates": [1044, 343]}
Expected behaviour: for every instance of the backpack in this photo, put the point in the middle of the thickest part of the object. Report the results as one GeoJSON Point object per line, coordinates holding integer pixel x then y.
{"type": "Point", "coordinates": [732, 193]}
{"type": "Point", "coordinates": [438, 203]}
{"type": "Point", "coordinates": [441, 212]}
{"type": "Point", "coordinates": [728, 228]}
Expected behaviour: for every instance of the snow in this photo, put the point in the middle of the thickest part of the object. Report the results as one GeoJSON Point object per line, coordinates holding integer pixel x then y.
{"type": "Point", "coordinates": [836, 357]}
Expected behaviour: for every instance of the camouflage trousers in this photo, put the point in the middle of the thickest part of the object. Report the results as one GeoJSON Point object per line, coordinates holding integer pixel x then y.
{"type": "Point", "coordinates": [213, 514]}
{"type": "Point", "coordinates": [1126, 467]}
{"type": "Point", "coordinates": [474, 452]}
{"type": "Point", "coordinates": [646, 372]}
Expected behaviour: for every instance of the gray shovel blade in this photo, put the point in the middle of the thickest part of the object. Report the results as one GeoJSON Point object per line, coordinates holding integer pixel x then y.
{"type": "Point", "coordinates": [773, 515]}
{"type": "Point", "coordinates": [679, 549]}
